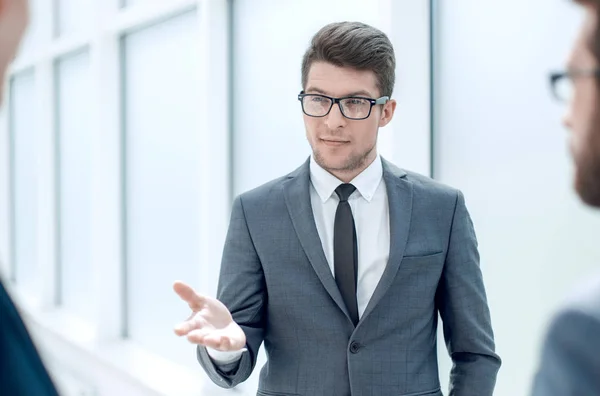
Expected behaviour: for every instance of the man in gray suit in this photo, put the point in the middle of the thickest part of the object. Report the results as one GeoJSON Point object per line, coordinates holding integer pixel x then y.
{"type": "Point", "coordinates": [570, 361]}
{"type": "Point", "coordinates": [342, 266]}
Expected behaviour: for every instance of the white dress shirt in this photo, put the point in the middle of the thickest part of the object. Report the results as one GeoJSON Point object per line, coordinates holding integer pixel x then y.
{"type": "Point", "coordinates": [369, 204]}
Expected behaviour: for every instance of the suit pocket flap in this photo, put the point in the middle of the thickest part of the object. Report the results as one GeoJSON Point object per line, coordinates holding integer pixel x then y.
{"type": "Point", "coordinates": [269, 393]}
{"type": "Point", "coordinates": [435, 392]}
{"type": "Point", "coordinates": [422, 257]}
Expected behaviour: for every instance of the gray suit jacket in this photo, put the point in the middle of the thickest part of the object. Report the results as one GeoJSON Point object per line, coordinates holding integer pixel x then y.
{"type": "Point", "coordinates": [276, 281]}
{"type": "Point", "coordinates": [570, 362]}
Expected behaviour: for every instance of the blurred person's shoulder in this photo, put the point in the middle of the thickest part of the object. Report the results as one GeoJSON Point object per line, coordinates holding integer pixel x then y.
{"type": "Point", "coordinates": [585, 298]}
{"type": "Point", "coordinates": [579, 313]}
{"type": "Point", "coordinates": [570, 360]}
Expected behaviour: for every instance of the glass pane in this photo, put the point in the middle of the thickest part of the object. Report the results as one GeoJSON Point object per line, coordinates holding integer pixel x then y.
{"type": "Point", "coordinates": [33, 36]}
{"type": "Point", "coordinates": [24, 137]}
{"type": "Point", "coordinates": [75, 175]}
{"type": "Point", "coordinates": [4, 194]}
{"type": "Point", "coordinates": [163, 169]}
{"type": "Point", "coordinates": [73, 16]}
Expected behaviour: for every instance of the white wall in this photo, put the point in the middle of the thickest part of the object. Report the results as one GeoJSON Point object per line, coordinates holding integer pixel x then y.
{"type": "Point", "coordinates": [499, 139]}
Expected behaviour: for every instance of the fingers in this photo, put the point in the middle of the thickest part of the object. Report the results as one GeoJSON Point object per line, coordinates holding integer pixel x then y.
{"type": "Point", "coordinates": [184, 328]}
{"type": "Point", "coordinates": [210, 339]}
{"type": "Point", "coordinates": [221, 340]}
{"type": "Point", "coordinates": [193, 323]}
{"type": "Point", "coordinates": [198, 336]}
{"type": "Point", "coordinates": [187, 294]}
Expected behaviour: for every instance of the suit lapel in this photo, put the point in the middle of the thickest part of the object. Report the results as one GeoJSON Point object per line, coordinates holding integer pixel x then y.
{"type": "Point", "coordinates": [400, 196]}
{"type": "Point", "coordinates": [297, 198]}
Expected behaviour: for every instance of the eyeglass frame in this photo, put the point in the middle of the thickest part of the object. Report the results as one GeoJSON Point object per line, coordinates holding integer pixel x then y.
{"type": "Point", "coordinates": [373, 102]}
{"type": "Point", "coordinates": [555, 77]}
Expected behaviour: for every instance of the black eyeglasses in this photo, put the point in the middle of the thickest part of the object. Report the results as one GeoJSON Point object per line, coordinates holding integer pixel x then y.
{"type": "Point", "coordinates": [562, 85]}
{"type": "Point", "coordinates": [352, 107]}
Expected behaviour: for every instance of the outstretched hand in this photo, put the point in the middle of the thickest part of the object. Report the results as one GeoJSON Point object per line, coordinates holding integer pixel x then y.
{"type": "Point", "coordinates": [210, 323]}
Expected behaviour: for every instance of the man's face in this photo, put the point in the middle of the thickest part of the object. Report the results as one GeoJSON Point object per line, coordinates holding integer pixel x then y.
{"type": "Point", "coordinates": [582, 117]}
{"type": "Point", "coordinates": [13, 21]}
{"type": "Point", "coordinates": [341, 145]}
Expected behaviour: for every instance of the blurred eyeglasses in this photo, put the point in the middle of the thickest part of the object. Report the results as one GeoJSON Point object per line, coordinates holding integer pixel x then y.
{"type": "Point", "coordinates": [563, 83]}
{"type": "Point", "coordinates": [352, 107]}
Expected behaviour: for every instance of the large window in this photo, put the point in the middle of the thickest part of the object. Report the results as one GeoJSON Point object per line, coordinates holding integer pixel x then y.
{"type": "Point", "coordinates": [24, 133]}
{"type": "Point", "coordinates": [74, 158]}
{"type": "Point", "coordinates": [163, 191]}
{"type": "Point", "coordinates": [117, 121]}
{"type": "Point", "coordinates": [5, 195]}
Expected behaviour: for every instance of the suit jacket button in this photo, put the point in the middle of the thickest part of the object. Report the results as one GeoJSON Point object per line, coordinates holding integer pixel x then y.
{"type": "Point", "coordinates": [354, 347]}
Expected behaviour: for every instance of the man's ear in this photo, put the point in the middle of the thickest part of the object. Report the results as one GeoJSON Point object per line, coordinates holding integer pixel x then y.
{"type": "Point", "coordinates": [387, 112]}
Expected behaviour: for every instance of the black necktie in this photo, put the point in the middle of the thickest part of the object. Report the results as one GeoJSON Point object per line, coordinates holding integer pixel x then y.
{"type": "Point", "coordinates": [345, 250]}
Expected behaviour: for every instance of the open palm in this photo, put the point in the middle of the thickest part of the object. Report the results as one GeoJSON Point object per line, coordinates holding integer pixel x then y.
{"type": "Point", "coordinates": [210, 323]}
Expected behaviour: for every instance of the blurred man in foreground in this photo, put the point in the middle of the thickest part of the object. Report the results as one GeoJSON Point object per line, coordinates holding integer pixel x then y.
{"type": "Point", "coordinates": [21, 369]}
{"type": "Point", "coordinates": [570, 363]}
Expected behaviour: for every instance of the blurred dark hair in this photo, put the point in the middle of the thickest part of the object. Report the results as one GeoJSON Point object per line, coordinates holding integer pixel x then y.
{"type": "Point", "coordinates": [355, 45]}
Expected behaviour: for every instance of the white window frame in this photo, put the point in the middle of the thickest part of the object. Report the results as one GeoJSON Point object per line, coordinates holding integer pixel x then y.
{"type": "Point", "coordinates": [95, 356]}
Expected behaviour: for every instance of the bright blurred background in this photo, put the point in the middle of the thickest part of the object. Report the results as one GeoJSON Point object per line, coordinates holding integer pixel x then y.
{"type": "Point", "coordinates": [131, 125]}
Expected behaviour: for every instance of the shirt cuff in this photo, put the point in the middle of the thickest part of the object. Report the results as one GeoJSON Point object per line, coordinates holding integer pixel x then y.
{"type": "Point", "coordinates": [225, 357]}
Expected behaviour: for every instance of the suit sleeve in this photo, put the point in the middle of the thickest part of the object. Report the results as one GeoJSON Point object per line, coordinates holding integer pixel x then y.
{"type": "Point", "coordinates": [243, 291]}
{"type": "Point", "coordinates": [570, 363]}
{"type": "Point", "coordinates": [462, 303]}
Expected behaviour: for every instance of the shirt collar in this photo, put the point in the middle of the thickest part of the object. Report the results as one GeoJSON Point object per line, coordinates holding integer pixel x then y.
{"type": "Point", "coordinates": [366, 182]}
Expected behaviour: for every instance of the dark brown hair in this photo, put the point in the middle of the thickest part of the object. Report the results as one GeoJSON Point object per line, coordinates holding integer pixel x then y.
{"type": "Point", "coordinates": [354, 45]}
